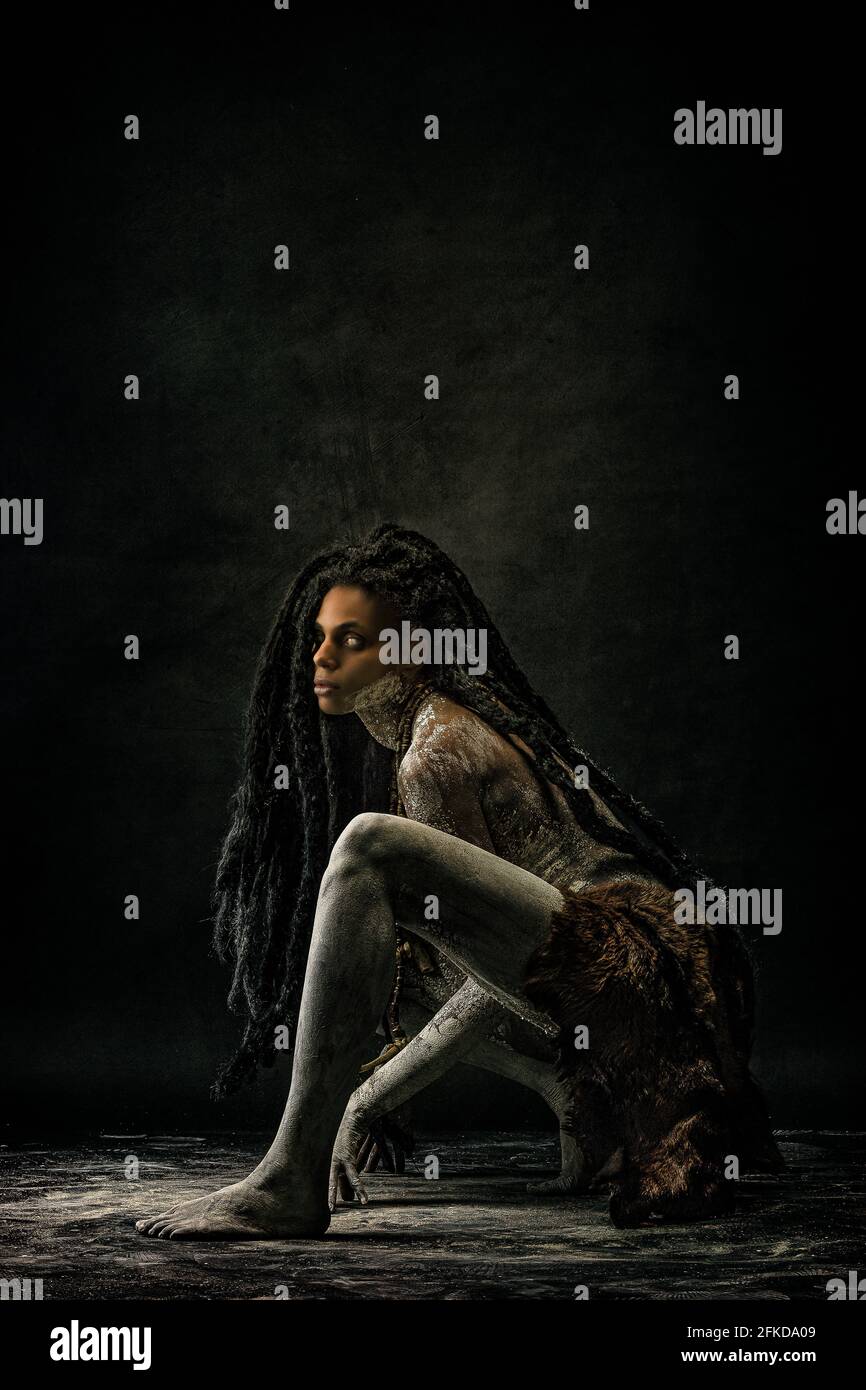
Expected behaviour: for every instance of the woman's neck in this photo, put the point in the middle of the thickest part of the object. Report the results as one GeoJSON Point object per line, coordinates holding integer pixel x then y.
{"type": "Point", "coordinates": [380, 707]}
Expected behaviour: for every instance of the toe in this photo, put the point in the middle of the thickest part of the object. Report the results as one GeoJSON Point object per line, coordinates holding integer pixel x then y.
{"type": "Point", "coordinates": [188, 1230]}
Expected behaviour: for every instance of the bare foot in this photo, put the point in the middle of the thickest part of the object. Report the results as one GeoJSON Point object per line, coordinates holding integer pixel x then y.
{"type": "Point", "coordinates": [574, 1175]}
{"type": "Point", "coordinates": [563, 1184]}
{"type": "Point", "coordinates": [247, 1210]}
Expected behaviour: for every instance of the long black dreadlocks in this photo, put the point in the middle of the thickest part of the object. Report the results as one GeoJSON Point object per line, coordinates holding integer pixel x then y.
{"type": "Point", "coordinates": [277, 848]}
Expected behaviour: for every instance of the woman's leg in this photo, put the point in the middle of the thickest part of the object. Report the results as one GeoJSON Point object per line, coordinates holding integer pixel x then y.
{"type": "Point", "coordinates": [444, 1040]}
{"type": "Point", "coordinates": [576, 1167]}
{"type": "Point", "coordinates": [517, 1049]}
{"type": "Point", "coordinates": [492, 915]}
{"type": "Point", "coordinates": [470, 1027]}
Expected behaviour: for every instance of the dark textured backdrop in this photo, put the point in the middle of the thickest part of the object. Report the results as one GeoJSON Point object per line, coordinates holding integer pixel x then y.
{"type": "Point", "coordinates": [558, 387]}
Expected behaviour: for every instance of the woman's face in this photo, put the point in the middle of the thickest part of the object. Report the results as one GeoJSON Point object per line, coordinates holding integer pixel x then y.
{"type": "Point", "coordinates": [346, 646]}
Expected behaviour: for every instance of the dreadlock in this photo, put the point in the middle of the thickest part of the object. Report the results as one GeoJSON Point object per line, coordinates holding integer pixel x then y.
{"type": "Point", "coordinates": [278, 844]}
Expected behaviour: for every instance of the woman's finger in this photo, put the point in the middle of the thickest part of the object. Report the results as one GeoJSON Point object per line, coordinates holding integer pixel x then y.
{"type": "Point", "coordinates": [357, 1185]}
{"type": "Point", "coordinates": [332, 1188]}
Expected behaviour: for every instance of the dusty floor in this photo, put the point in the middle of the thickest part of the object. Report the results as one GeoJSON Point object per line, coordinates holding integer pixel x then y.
{"type": "Point", "coordinates": [67, 1214]}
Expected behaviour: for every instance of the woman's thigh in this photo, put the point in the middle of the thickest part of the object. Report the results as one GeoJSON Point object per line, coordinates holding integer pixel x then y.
{"type": "Point", "coordinates": [482, 912]}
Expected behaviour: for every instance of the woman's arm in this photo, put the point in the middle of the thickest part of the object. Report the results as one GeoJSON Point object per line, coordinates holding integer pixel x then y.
{"type": "Point", "coordinates": [454, 1031]}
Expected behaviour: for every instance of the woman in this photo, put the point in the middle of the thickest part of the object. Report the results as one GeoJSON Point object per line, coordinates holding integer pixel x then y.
{"type": "Point", "coordinates": [532, 901]}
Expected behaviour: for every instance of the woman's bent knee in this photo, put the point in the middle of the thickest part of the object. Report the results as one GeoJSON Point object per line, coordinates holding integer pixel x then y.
{"type": "Point", "coordinates": [369, 841]}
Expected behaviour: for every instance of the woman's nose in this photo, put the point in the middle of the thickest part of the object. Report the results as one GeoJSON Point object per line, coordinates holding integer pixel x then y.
{"type": "Point", "coordinates": [324, 656]}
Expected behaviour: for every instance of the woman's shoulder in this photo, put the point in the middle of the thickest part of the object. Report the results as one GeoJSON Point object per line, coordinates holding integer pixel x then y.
{"type": "Point", "coordinates": [449, 739]}
{"type": "Point", "coordinates": [450, 765]}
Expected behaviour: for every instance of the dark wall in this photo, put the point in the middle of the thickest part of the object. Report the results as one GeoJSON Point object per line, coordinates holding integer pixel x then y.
{"type": "Point", "coordinates": [558, 387]}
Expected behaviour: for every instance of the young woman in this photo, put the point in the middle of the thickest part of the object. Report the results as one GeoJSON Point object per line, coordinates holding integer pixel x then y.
{"type": "Point", "coordinates": [428, 850]}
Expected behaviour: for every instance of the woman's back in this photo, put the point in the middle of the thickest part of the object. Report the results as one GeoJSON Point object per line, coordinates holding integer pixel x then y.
{"type": "Point", "coordinates": [464, 777]}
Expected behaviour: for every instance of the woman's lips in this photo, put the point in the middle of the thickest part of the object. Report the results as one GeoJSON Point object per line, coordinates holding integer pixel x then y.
{"type": "Point", "coordinates": [324, 687]}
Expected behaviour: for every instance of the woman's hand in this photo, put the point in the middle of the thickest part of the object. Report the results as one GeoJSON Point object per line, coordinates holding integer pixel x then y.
{"type": "Point", "coordinates": [361, 1146]}
{"type": "Point", "coordinates": [348, 1156]}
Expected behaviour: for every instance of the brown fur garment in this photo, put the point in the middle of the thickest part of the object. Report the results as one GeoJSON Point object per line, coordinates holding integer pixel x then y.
{"type": "Point", "coordinates": [663, 1092]}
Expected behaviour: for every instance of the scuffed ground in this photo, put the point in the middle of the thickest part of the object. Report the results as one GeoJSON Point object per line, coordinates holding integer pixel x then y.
{"type": "Point", "coordinates": [67, 1216]}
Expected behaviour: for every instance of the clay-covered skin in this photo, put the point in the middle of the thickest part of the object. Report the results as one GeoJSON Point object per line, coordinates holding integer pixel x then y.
{"type": "Point", "coordinates": [493, 844]}
{"type": "Point", "coordinates": [466, 778]}
{"type": "Point", "coordinates": [463, 777]}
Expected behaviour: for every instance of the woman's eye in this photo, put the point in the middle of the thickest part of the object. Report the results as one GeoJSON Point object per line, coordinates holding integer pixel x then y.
{"type": "Point", "coordinates": [352, 639]}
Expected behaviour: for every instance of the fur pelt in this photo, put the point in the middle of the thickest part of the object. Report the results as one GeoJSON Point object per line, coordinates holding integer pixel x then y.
{"type": "Point", "coordinates": [663, 1094]}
